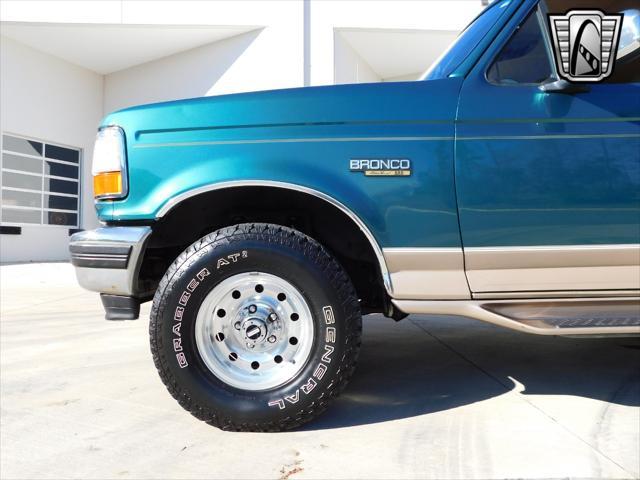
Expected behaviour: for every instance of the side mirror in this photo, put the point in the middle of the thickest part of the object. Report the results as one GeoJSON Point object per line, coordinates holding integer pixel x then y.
{"type": "Point", "coordinates": [562, 86]}
{"type": "Point", "coordinates": [629, 35]}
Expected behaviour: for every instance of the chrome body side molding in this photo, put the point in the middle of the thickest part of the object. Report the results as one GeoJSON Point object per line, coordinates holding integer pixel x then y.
{"type": "Point", "coordinates": [567, 316]}
{"type": "Point", "coordinates": [427, 273]}
{"type": "Point", "coordinates": [553, 268]}
{"type": "Point", "coordinates": [557, 294]}
{"type": "Point", "coordinates": [254, 141]}
{"type": "Point", "coordinates": [172, 202]}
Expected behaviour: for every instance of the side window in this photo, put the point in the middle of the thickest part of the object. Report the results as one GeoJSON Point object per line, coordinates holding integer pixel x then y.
{"type": "Point", "coordinates": [627, 68]}
{"type": "Point", "coordinates": [524, 59]}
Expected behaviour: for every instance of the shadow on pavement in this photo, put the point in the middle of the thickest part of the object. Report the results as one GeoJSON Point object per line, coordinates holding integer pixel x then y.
{"type": "Point", "coordinates": [430, 364]}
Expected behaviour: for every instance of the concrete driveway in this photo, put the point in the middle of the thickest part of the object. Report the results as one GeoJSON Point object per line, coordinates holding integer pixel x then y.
{"type": "Point", "coordinates": [433, 397]}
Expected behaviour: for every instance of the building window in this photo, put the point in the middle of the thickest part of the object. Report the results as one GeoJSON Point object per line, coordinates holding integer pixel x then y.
{"type": "Point", "coordinates": [40, 183]}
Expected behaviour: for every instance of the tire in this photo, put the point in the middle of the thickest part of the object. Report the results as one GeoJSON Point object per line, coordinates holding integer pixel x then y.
{"type": "Point", "coordinates": [244, 268]}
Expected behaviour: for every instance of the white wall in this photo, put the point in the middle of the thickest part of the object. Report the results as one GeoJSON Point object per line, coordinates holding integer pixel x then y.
{"type": "Point", "coordinates": [267, 58]}
{"type": "Point", "coordinates": [264, 59]}
{"type": "Point", "coordinates": [327, 16]}
{"type": "Point", "coordinates": [404, 78]}
{"type": "Point", "coordinates": [349, 67]}
{"type": "Point", "coordinates": [208, 70]}
{"type": "Point", "coordinates": [53, 100]}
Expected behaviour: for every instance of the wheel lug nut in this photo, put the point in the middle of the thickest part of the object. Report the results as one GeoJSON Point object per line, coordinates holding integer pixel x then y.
{"type": "Point", "coordinates": [273, 317]}
{"type": "Point", "coordinates": [252, 309]}
{"type": "Point", "coordinates": [250, 345]}
{"type": "Point", "coordinates": [271, 339]}
{"type": "Point", "coordinates": [236, 325]}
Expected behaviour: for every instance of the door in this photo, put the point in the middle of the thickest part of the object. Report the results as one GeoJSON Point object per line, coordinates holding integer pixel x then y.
{"type": "Point", "coordinates": [548, 183]}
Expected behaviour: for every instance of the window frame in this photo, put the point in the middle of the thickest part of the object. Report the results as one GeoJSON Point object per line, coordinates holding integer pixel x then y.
{"type": "Point", "coordinates": [540, 13]}
{"type": "Point", "coordinates": [42, 209]}
{"type": "Point", "coordinates": [450, 72]}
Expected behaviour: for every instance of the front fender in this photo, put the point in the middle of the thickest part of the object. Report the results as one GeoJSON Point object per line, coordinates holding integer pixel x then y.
{"type": "Point", "coordinates": [306, 138]}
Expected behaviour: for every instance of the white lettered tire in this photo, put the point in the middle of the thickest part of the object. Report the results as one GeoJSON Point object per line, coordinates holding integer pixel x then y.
{"type": "Point", "coordinates": [255, 327]}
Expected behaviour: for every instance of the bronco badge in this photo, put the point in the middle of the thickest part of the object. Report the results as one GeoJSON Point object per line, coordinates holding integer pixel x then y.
{"type": "Point", "coordinates": [585, 44]}
{"type": "Point", "coordinates": [381, 167]}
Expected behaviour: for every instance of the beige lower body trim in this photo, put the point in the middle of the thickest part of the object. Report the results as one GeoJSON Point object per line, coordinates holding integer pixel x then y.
{"type": "Point", "coordinates": [427, 273]}
{"type": "Point", "coordinates": [496, 313]}
{"type": "Point", "coordinates": [553, 268]}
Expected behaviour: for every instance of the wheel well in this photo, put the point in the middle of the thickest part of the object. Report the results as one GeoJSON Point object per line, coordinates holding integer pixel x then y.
{"type": "Point", "coordinates": [196, 216]}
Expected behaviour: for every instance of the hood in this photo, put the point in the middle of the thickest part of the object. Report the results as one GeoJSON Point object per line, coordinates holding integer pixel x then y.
{"type": "Point", "coordinates": [399, 101]}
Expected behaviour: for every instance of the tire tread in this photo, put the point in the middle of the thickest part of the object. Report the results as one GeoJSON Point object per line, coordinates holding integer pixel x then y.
{"type": "Point", "coordinates": [317, 254]}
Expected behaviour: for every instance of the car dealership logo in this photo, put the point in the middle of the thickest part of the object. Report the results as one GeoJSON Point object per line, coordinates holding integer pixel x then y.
{"type": "Point", "coordinates": [585, 44]}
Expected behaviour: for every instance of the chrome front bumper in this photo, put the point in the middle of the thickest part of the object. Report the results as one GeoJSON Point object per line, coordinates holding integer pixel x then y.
{"type": "Point", "coordinates": [108, 259]}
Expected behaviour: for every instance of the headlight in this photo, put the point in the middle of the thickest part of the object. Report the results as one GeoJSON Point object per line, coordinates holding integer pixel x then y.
{"type": "Point", "coordinates": [109, 166]}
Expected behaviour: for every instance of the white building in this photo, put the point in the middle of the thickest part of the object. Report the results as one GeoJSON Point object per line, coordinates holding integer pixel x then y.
{"type": "Point", "coordinates": [65, 64]}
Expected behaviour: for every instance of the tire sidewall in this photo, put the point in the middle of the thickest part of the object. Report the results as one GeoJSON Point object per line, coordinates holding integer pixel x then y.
{"type": "Point", "coordinates": [196, 277]}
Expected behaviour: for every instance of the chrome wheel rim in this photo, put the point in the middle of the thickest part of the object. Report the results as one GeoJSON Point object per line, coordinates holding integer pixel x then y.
{"type": "Point", "coordinates": [254, 331]}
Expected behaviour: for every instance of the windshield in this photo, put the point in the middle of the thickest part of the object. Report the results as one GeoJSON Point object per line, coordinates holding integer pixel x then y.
{"type": "Point", "coordinates": [465, 42]}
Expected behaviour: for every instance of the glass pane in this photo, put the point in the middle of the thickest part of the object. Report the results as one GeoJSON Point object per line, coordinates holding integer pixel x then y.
{"type": "Point", "coordinates": [62, 203]}
{"type": "Point", "coordinates": [60, 186]}
{"type": "Point", "coordinates": [62, 218]}
{"type": "Point", "coordinates": [61, 170]}
{"type": "Point", "coordinates": [469, 38]}
{"type": "Point", "coordinates": [10, 215]}
{"type": "Point", "coordinates": [26, 164]}
{"type": "Point", "coordinates": [21, 145]}
{"type": "Point", "coordinates": [61, 153]}
{"type": "Point", "coordinates": [17, 180]}
{"type": "Point", "coordinates": [21, 199]}
{"type": "Point", "coordinates": [524, 58]}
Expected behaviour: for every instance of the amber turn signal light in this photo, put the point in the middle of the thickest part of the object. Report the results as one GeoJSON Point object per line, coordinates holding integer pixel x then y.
{"type": "Point", "coordinates": [107, 184]}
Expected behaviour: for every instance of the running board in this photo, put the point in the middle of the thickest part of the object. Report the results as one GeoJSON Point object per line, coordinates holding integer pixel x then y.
{"type": "Point", "coordinates": [575, 316]}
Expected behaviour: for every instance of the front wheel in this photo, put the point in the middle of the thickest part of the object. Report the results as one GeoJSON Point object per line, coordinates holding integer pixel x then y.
{"type": "Point", "coordinates": [255, 327]}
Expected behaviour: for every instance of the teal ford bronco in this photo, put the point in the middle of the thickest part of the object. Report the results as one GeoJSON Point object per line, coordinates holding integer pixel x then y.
{"type": "Point", "coordinates": [264, 225]}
